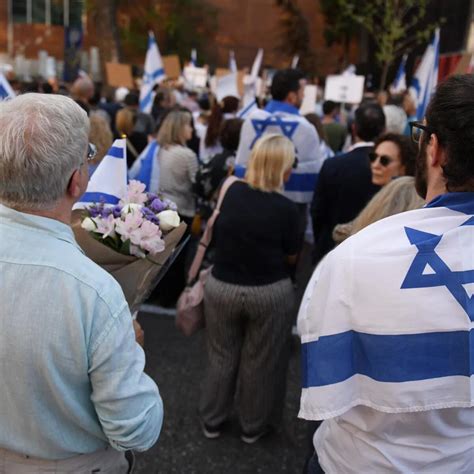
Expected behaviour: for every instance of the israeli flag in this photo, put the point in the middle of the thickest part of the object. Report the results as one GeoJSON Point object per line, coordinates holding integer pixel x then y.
{"type": "Point", "coordinates": [146, 167]}
{"type": "Point", "coordinates": [194, 57]}
{"type": "Point", "coordinates": [387, 319]}
{"type": "Point", "coordinates": [244, 112]}
{"type": "Point", "coordinates": [154, 74]}
{"type": "Point", "coordinates": [232, 62]}
{"type": "Point", "coordinates": [109, 182]}
{"type": "Point", "coordinates": [6, 91]}
{"type": "Point", "coordinates": [282, 118]}
{"type": "Point", "coordinates": [400, 84]}
{"type": "Point", "coordinates": [426, 77]}
{"type": "Point", "coordinates": [257, 64]}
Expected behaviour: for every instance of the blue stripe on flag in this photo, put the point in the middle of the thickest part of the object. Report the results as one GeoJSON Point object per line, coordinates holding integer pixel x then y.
{"type": "Point", "coordinates": [244, 111]}
{"type": "Point", "coordinates": [156, 74]}
{"type": "Point", "coordinates": [302, 182]}
{"type": "Point", "coordinates": [3, 92]}
{"type": "Point", "coordinates": [387, 358]}
{"type": "Point", "coordinates": [99, 197]}
{"type": "Point", "coordinates": [115, 152]}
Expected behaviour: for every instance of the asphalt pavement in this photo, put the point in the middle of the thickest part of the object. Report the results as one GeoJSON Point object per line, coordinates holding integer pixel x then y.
{"type": "Point", "coordinates": [177, 364]}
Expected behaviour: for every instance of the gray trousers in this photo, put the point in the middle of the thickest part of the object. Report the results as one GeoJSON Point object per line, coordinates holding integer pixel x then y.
{"type": "Point", "coordinates": [248, 330]}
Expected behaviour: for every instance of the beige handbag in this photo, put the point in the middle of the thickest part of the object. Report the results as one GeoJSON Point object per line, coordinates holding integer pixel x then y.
{"type": "Point", "coordinates": [190, 306]}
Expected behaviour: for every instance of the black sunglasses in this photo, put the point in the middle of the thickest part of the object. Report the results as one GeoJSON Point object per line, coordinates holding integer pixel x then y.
{"type": "Point", "coordinates": [384, 159]}
{"type": "Point", "coordinates": [91, 151]}
{"type": "Point", "coordinates": [417, 129]}
{"type": "Point", "coordinates": [295, 163]}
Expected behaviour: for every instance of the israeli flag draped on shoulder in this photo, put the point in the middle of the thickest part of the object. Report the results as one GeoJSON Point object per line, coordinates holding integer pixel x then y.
{"type": "Point", "coordinates": [244, 112]}
{"type": "Point", "coordinates": [154, 73]}
{"type": "Point", "coordinates": [426, 77]}
{"type": "Point", "coordinates": [387, 320]}
{"type": "Point", "coordinates": [109, 182]}
{"type": "Point", "coordinates": [400, 84]}
{"type": "Point", "coordinates": [280, 117]}
{"type": "Point", "coordinates": [6, 91]}
{"type": "Point", "coordinates": [146, 167]}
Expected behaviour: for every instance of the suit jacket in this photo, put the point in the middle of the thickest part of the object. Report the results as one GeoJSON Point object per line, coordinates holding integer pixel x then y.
{"type": "Point", "coordinates": [343, 189]}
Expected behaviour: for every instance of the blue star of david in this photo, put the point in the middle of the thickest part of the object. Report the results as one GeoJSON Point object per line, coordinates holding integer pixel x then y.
{"type": "Point", "coordinates": [260, 125]}
{"type": "Point", "coordinates": [442, 275]}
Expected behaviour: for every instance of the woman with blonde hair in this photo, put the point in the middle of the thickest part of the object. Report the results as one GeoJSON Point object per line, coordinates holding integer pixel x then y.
{"type": "Point", "coordinates": [249, 297]}
{"type": "Point", "coordinates": [177, 163]}
{"type": "Point", "coordinates": [398, 196]}
{"type": "Point", "coordinates": [101, 136]}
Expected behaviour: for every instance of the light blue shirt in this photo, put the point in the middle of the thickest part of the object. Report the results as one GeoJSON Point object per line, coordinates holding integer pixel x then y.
{"type": "Point", "coordinates": [71, 373]}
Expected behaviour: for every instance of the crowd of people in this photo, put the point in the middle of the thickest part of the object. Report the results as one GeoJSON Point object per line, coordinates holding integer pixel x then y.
{"type": "Point", "coordinates": [344, 176]}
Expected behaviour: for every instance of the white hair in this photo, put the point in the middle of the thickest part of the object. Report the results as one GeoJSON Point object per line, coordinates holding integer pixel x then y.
{"type": "Point", "coordinates": [43, 139]}
{"type": "Point", "coordinates": [395, 119]}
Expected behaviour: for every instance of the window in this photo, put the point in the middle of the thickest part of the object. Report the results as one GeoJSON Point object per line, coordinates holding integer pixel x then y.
{"type": "Point", "coordinates": [57, 12]}
{"type": "Point", "coordinates": [75, 12]}
{"type": "Point", "coordinates": [38, 11]}
{"type": "Point", "coordinates": [19, 11]}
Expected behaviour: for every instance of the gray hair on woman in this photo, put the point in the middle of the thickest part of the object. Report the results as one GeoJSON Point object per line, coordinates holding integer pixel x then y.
{"type": "Point", "coordinates": [43, 139]}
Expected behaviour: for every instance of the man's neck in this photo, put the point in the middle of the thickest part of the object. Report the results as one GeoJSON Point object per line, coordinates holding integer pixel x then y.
{"type": "Point", "coordinates": [327, 119]}
{"type": "Point", "coordinates": [59, 213]}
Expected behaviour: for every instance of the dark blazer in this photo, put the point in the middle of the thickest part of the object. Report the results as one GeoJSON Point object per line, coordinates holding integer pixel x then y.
{"type": "Point", "coordinates": [343, 189]}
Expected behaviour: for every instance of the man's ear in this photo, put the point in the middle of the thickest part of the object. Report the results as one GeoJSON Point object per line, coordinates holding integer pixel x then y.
{"type": "Point", "coordinates": [74, 188]}
{"type": "Point", "coordinates": [435, 151]}
{"type": "Point", "coordinates": [292, 97]}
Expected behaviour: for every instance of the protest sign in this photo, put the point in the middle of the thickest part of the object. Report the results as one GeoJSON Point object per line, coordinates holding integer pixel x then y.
{"type": "Point", "coordinates": [308, 105]}
{"type": "Point", "coordinates": [347, 89]}
{"type": "Point", "coordinates": [172, 66]}
{"type": "Point", "coordinates": [195, 76]}
{"type": "Point", "coordinates": [119, 75]}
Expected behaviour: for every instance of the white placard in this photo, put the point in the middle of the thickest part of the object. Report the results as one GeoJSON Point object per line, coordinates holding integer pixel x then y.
{"type": "Point", "coordinates": [195, 76]}
{"type": "Point", "coordinates": [308, 106]}
{"type": "Point", "coordinates": [345, 88]}
{"type": "Point", "coordinates": [227, 86]}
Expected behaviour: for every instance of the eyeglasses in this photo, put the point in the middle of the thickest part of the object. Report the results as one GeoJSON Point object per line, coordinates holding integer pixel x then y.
{"type": "Point", "coordinates": [417, 129]}
{"type": "Point", "coordinates": [383, 159]}
{"type": "Point", "coordinates": [91, 151]}
{"type": "Point", "coordinates": [295, 163]}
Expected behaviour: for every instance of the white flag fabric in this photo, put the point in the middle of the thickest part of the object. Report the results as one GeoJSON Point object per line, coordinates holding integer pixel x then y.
{"type": "Point", "coordinates": [194, 57]}
{"type": "Point", "coordinates": [154, 73]}
{"type": "Point", "coordinates": [108, 184]}
{"type": "Point", "coordinates": [6, 91]}
{"type": "Point", "coordinates": [146, 167]}
{"type": "Point", "coordinates": [232, 62]}
{"type": "Point", "coordinates": [282, 118]}
{"type": "Point", "coordinates": [248, 109]}
{"type": "Point", "coordinates": [226, 86]}
{"type": "Point", "coordinates": [387, 320]}
{"type": "Point", "coordinates": [400, 84]}
{"type": "Point", "coordinates": [426, 77]}
{"type": "Point", "coordinates": [295, 61]}
{"type": "Point", "coordinates": [257, 64]}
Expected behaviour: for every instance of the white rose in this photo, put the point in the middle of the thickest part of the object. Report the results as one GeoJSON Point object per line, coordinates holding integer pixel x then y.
{"type": "Point", "coordinates": [132, 207]}
{"type": "Point", "coordinates": [89, 225]}
{"type": "Point", "coordinates": [168, 220]}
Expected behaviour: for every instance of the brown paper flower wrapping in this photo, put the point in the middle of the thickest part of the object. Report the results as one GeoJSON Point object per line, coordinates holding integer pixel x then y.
{"type": "Point", "coordinates": [137, 276]}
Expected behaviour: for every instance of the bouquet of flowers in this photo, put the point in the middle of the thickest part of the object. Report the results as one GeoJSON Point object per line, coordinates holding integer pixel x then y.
{"type": "Point", "coordinates": [132, 240]}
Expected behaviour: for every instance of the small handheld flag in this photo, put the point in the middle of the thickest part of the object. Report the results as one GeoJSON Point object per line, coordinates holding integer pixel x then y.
{"type": "Point", "coordinates": [154, 73]}
{"type": "Point", "coordinates": [146, 167]}
{"type": "Point", "coordinates": [109, 182]}
{"type": "Point", "coordinates": [194, 57]}
{"type": "Point", "coordinates": [232, 62]}
{"type": "Point", "coordinates": [6, 91]}
{"type": "Point", "coordinates": [399, 84]}
{"type": "Point", "coordinates": [426, 76]}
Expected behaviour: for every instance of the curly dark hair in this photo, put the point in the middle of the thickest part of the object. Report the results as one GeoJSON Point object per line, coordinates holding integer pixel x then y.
{"type": "Point", "coordinates": [406, 148]}
{"type": "Point", "coordinates": [450, 116]}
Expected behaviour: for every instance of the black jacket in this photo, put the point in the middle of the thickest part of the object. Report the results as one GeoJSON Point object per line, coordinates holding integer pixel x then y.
{"type": "Point", "coordinates": [343, 189]}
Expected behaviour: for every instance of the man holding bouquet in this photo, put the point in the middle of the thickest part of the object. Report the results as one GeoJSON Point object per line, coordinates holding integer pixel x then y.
{"type": "Point", "coordinates": [74, 394]}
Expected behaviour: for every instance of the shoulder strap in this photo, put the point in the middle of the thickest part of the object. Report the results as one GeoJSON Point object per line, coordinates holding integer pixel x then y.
{"type": "Point", "coordinates": [207, 235]}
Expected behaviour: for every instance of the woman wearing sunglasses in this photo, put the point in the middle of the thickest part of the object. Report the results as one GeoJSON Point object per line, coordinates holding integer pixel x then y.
{"type": "Point", "coordinates": [394, 156]}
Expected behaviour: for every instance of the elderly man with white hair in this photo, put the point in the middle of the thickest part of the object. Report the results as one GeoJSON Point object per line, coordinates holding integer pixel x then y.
{"type": "Point", "coordinates": [74, 394]}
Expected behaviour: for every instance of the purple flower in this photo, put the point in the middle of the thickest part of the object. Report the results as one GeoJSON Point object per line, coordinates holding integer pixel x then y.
{"type": "Point", "coordinates": [117, 211]}
{"type": "Point", "coordinates": [150, 216]}
{"type": "Point", "coordinates": [151, 196]}
{"type": "Point", "coordinates": [157, 205]}
{"type": "Point", "coordinates": [106, 212]}
{"type": "Point", "coordinates": [94, 211]}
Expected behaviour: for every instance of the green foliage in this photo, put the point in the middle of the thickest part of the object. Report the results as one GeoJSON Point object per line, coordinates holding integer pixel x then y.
{"type": "Point", "coordinates": [396, 26]}
{"type": "Point", "coordinates": [296, 36]}
{"type": "Point", "coordinates": [180, 26]}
